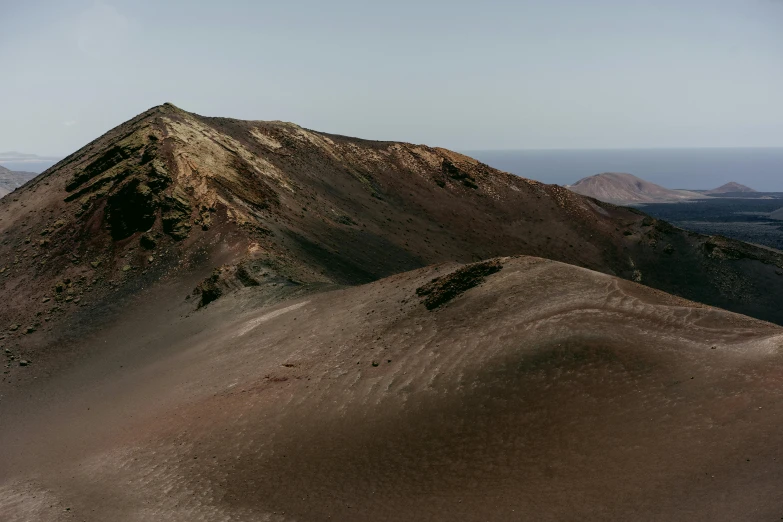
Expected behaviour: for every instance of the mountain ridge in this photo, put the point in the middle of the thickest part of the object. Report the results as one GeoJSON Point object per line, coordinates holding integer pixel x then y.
{"type": "Point", "coordinates": [205, 206]}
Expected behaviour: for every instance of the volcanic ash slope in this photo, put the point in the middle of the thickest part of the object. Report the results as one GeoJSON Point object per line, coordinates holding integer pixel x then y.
{"type": "Point", "coordinates": [513, 389]}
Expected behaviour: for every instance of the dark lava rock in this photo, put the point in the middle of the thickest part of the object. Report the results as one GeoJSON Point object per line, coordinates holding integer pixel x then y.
{"type": "Point", "coordinates": [131, 209]}
{"type": "Point", "coordinates": [441, 290]}
{"type": "Point", "coordinates": [147, 242]}
{"type": "Point", "coordinates": [457, 174]}
{"type": "Point", "coordinates": [210, 289]}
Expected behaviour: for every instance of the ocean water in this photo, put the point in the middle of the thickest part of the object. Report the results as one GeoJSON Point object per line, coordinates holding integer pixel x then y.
{"type": "Point", "coordinates": [28, 166]}
{"type": "Point", "coordinates": [758, 168]}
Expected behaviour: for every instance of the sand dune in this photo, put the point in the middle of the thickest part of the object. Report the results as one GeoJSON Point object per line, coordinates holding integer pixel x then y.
{"type": "Point", "coordinates": [547, 392]}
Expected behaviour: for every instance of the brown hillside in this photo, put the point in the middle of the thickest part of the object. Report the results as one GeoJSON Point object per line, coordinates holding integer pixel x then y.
{"type": "Point", "coordinates": [187, 203]}
{"type": "Point", "coordinates": [538, 391]}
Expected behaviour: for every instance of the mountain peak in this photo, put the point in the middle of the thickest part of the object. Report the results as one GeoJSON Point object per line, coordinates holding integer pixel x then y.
{"type": "Point", "coordinates": [624, 188]}
{"type": "Point", "coordinates": [731, 186]}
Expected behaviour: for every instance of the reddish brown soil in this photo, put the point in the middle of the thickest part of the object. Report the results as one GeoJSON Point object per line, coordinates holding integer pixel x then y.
{"type": "Point", "coordinates": [602, 400]}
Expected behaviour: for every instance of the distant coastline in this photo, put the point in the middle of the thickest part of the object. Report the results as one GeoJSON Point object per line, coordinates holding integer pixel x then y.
{"type": "Point", "coordinates": [686, 168]}
{"type": "Point", "coordinates": [28, 166]}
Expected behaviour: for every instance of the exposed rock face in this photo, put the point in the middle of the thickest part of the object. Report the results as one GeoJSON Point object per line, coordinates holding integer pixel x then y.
{"type": "Point", "coordinates": [626, 189]}
{"type": "Point", "coordinates": [131, 209]}
{"type": "Point", "coordinates": [227, 278]}
{"type": "Point", "coordinates": [730, 187]}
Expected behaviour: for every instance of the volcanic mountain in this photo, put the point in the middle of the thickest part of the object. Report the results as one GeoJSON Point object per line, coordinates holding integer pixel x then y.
{"type": "Point", "coordinates": [627, 189]}
{"type": "Point", "coordinates": [12, 180]}
{"type": "Point", "coordinates": [730, 187]}
{"type": "Point", "coordinates": [206, 205]}
{"type": "Point", "coordinates": [213, 319]}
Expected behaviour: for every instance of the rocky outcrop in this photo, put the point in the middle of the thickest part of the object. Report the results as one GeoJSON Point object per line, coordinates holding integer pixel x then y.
{"type": "Point", "coordinates": [443, 289]}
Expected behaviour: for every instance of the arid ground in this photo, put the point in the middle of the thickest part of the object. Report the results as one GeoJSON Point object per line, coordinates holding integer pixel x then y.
{"type": "Point", "coordinates": [210, 319]}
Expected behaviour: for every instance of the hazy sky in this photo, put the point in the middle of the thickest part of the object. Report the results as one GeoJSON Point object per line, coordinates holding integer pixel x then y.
{"type": "Point", "coordinates": [461, 74]}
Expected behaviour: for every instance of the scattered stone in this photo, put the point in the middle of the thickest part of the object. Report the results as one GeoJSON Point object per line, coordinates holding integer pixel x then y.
{"type": "Point", "coordinates": [13, 327]}
{"type": "Point", "coordinates": [24, 362]}
{"type": "Point", "coordinates": [126, 268]}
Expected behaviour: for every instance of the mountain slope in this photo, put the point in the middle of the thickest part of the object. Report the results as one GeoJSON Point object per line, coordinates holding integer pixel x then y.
{"type": "Point", "coordinates": [545, 392]}
{"type": "Point", "coordinates": [730, 187]}
{"type": "Point", "coordinates": [625, 189]}
{"type": "Point", "coordinates": [11, 180]}
{"type": "Point", "coordinates": [199, 207]}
